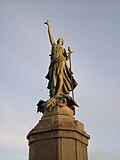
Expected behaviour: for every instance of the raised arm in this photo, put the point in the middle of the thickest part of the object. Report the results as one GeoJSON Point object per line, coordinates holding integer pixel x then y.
{"type": "Point", "coordinates": [49, 32]}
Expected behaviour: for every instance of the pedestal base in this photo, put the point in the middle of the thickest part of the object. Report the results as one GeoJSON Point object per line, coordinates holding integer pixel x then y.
{"type": "Point", "coordinates": [58, 136]}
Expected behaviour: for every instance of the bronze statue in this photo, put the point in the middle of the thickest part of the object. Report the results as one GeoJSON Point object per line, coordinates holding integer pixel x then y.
{"type": "Point", "coordinates": [60, 76]}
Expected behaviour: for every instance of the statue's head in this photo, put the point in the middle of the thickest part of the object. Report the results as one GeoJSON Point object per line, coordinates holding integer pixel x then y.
{"type": "Point", "coordinates": [60, 41]}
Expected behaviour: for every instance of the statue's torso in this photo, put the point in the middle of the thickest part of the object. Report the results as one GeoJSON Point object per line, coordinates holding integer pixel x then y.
{"type": "Point", "coordinates": [57, 52]}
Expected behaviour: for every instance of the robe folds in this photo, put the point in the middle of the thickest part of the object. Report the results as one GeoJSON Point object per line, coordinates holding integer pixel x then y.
{"type": "Point", "coordinates": [58, 67]}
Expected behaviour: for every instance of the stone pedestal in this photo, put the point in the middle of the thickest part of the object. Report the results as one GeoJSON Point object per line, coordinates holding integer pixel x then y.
{"type": "Point", "coordinates": [58, 136]}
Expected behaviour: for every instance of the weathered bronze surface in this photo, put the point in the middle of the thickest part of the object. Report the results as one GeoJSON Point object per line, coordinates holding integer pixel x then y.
{"type": "Point", "coordinates": [60, 77]}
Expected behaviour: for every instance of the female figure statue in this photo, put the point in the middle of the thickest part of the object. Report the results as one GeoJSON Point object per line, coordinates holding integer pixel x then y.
{"type": "Point", "coordinates": [60, 77]}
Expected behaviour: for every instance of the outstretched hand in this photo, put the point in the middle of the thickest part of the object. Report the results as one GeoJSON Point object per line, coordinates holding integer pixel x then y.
{"type": "Point", "coordinates": [47, 23]}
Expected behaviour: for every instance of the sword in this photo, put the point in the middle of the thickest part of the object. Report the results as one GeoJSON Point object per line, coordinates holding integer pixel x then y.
{"type": "Point", "coordinates": [70, 51]}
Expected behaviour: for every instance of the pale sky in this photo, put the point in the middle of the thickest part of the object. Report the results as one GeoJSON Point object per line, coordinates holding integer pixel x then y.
{"type": "Point", "coordinates": [92, 29]}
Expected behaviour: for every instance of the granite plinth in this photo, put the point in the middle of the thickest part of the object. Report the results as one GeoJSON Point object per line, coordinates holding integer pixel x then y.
{"type": "Point", "coordinates": [58, 136]}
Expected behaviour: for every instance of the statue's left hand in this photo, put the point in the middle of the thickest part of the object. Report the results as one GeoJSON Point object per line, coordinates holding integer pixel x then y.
{"type": "Point", "coordinates": [69, 50]}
